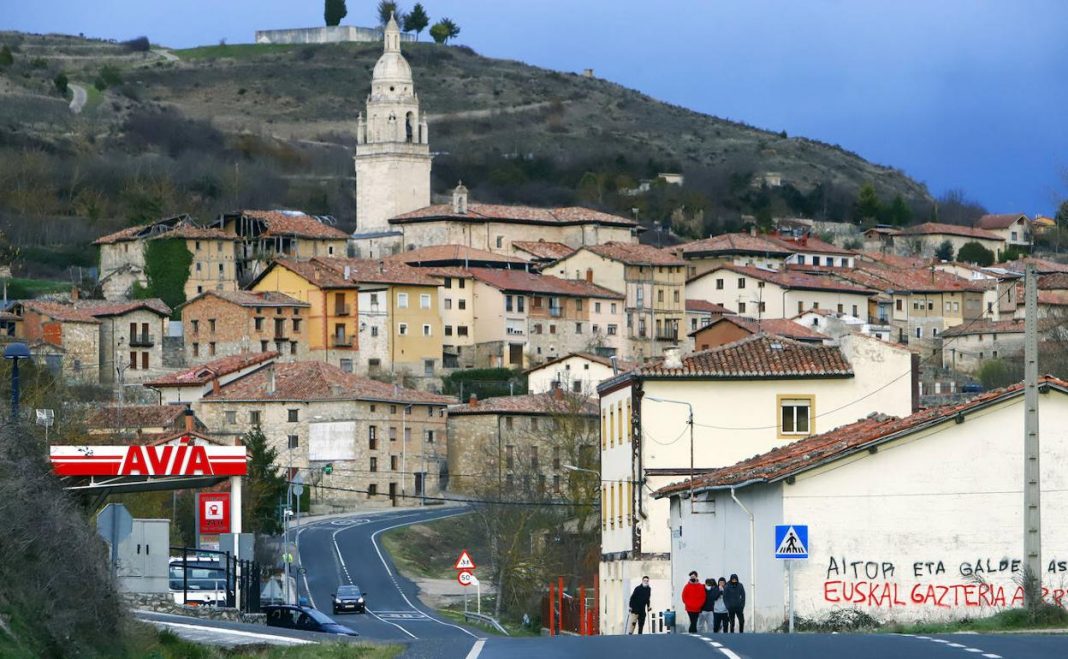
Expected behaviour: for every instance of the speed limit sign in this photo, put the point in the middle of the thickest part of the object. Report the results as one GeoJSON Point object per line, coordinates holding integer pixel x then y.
{"type": "Point", "coordinates": [465, 578]}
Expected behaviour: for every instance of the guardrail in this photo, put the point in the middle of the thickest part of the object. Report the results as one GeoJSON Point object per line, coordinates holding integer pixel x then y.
{"type": "Point", "coordinates": [487, 620]}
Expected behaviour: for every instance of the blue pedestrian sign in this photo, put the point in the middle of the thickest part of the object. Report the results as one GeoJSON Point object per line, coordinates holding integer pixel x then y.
{"type": "Point", "coordinates": [791, 541]}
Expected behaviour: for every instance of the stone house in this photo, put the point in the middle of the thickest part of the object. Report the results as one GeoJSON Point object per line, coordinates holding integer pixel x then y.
{"type": "Point", "coordinates": [140, 424]}
{"type": "Point", "coordinates": [925, 239]}
{"type": "Point", "coordinates": [909, 502]}
{"type": "Point", "coordinates": [968, 345]}
{"type": "Point", "coordinates": [190, 385]}
{"type": "Point", "coordinates": [1013, 228]}
{"type": "Point", "coordinates": [122, 255]}
{"type": "Point", "coordinates": [653, 282]}
{"type": "Point", "coordinates": [753, 395]}
{"type": "Point", "coordinates": [264, 235]}
{"type": "Point", "coordinates": [74, 331]}
{"type": "Point", "coordinates": [214, 265]}
{"type": "Point", "coordinates": [221, 323]}
{"type": "Point", "coordinates": [521, 443]}
{"type": "Point", "coordinates": [386, 444]}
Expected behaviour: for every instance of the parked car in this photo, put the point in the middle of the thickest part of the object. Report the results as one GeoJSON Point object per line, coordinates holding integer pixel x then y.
{"type": "Point", "coordinates": [304, 618]}
{"type": "Point", "coordinates": [349, 598]}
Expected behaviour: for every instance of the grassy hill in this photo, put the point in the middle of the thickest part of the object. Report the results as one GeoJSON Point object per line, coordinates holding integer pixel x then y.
{"type": "Point", "coordinates": [217, 127]}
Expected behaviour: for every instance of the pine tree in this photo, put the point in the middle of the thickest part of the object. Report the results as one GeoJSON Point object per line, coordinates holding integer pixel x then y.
{"type": "Point", "coordinates": [867, 205]}
{"type": "Point", "coordinates": [264, 486]}
{"type": "Point", "coordinates": [416, 20]}
{"type": "Point", "coordinates": [386, 8]}
{"type": "Point", "coordinates": [334, 11]}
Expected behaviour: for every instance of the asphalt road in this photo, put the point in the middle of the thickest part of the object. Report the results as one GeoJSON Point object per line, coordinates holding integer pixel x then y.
{"type": "Point", "coordinates": [347, 550]}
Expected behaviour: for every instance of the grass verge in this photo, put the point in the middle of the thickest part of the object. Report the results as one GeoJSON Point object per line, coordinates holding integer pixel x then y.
{"type": "Point", "coordinates": [1046, 617]}
{"type": "Point", "coordinates": [430, 550]}
{"type": "Point", "coordinates": [147, 641]}
{"type": "Point", "coordinates": [238, 51]}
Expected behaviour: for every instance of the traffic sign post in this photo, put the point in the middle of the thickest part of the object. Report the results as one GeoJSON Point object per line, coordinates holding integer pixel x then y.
{"type": "Point", "coordinates": [464, 562]}
{"type": "Point", "coordinates": [114, 523]}
{"type": "Point", "coordinates": [791, 543]}
{"type": "Point", "coordinates": [466, 566]}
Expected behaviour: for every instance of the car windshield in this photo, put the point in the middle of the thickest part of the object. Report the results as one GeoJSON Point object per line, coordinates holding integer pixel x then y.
{"type": "Point", "coordinates": [319, 617]}
{"type": "Point", "coordinates": [348, 591]}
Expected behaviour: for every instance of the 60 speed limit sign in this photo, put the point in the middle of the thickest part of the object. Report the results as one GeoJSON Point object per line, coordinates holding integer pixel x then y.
{"type": "Point", "coordinates": [466, 578]}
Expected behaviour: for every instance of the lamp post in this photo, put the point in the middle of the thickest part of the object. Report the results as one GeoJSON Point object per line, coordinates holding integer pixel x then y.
{"type": "Point", "coordinates": [689, 422]}
{"type": "Point", "coordinates": [15, 352]}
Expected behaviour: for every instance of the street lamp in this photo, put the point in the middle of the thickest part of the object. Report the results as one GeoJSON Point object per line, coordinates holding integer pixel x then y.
{"type": "Point", "coordinates": [689, 422]}
{"type": "Point", "coordinates": [15, 352]}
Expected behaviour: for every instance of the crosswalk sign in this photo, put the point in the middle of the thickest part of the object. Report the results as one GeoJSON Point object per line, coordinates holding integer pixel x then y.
{"type": "Point", "coordinates": [791, 541]}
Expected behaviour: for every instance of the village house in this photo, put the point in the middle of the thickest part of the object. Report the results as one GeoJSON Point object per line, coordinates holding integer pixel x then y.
{"type": "Point", "coordinates": [494, 227]}
{"type": "Point", "coordinates": [214, 265]}
{"type": "Point", "coordinates": [139, 424]}
{"type": "Point", "coordinates": [192, 384]}
{"type": "Point", "coordinates": [900, 512]}
{"type": "Point", "coordinates": [264, 235]}
{"type": "Point", "coordinates": [702, 312]}
{"type": "Point", "coordinates": [541, 252]}
{"type": "Point", "coordinates": [745, 397]}
{"type": "Point", "coordinates": [1000, 297]}
{"type": "Point", "coordinates": [728, 329]}
{"type": "Point", "coordinates": [768, 294]}
{"type": "Point", "coordinates": [521, 444]}
{"type": "Point", "coordinates": [221, 323]}
{"type": "Point", "coordinates": [386, 444]}
{"type": "Point", "coordinates": [769, 251]}
{"type": "Point", "coordinates": [122, 255]}
{"type": "Point", "coordinates": [968, 345]}
{"type": "Point", "coordinates": [653, 282]}
{"type": "Point", "coordinates": [578, 372]}
{"type": "Point", "coordinates": [1013, 228]}
{"type": "Point", "coordinates": [835, 325]}
{"type": "Point", "coordinates": [457, 256]}
{"type": "Point", "coordinates": [925, 239]}
{"type": "Point", "coordinates": [880, 239]}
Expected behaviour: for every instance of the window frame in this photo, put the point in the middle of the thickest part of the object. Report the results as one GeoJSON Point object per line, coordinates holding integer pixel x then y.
{"type": "Point", "coordinates": [781, 401]}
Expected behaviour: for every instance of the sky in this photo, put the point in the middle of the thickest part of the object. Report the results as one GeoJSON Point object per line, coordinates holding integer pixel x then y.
{"type": "Point", "coordinates": [959, 94]}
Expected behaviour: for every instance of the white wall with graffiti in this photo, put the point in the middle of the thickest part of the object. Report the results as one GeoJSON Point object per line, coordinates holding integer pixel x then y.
{"type": "Point", "coordinates": [927, 527]}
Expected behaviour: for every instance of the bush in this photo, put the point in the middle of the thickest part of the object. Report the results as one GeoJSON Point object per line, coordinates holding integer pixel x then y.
{"type": "Point", "coordinates": [485, 383]}
{"type": "Point", "coordinates": [6, 58]}
{"type": "Point", "coordinates": [61, 83]}
{"type": "Point", "coordinates": [838, 620]}
{"type": "Point", "coordinates": [975, 253]}
{"type": "Point", "coordinates": [138, 45]}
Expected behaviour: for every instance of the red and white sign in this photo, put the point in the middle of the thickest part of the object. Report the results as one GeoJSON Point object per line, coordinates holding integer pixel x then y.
{"type": "Point", "coordinates": [214, 510]}
{"type": "Point", "coordinates": [466, 578]}
{"type": "Point", "coordinates": [170, 460]}
{"type": "Point", "coordinates": [464, 562]}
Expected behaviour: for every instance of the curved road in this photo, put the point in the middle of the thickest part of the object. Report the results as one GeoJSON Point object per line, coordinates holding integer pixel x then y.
{"type": "Point", "coordinates": [78, 98]}
{"type": "Point", "coordinates": [347, 550]}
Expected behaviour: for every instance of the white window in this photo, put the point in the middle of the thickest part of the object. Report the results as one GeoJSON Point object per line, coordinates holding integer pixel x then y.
{"type": "Point", "coordinates": [402, 300]}
{"type": "Point", "coordinates": [402, 329]}
{"type": "Point", "coordinates": [795, 415]}
{"type": "Point", "coordinates": [424, 301]}
{"type": "Point", "coordinates": [426, 330]}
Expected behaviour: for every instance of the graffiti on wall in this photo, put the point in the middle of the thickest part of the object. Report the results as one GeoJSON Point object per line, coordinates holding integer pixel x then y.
{"type": "Point", "coordinates": [984, 582]}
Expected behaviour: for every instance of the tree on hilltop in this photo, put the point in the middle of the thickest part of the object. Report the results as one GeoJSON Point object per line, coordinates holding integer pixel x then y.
{"type": "Point", "coordinates": [387, 8]}
{"type": "Point", "coordinates": [416, 20]}
{"type": "Point", "coordinates": [334, 11]}
{"type": "Point", "coordinates": [867, 206]}
{"type": "Point", "coordinates": [444, 30]}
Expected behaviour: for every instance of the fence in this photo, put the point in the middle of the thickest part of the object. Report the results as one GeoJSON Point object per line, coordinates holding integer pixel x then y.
{"type": "Point", "coordinates": [565, 613]}
{"type": "Point", "coordinates": [241, 577]}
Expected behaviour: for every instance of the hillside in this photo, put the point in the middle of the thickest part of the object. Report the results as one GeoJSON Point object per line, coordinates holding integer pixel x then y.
{"type": "Point", "coordinates": [212, 128]}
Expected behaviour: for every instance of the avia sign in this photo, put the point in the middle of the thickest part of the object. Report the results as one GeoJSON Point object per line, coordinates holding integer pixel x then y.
{"type": "Point", "coordinates": [172, 460]}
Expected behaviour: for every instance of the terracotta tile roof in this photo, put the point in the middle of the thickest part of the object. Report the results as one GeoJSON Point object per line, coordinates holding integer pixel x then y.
{"type": "Point", "coordinates": [450, 253]}
{"type": "Point", "coordinates": [448, 271]}
{"type": "Point", "coordinates": [60, 311]}
{"type": "Point", "coordinates": [802, 455]}
{"type": "Point", "coordinates": [986, 327]}
{"type": "Point", "coordinates": [635, 254]}
{"type": "Point", "coordinates": [1053, 298]}
{"type": "Point", "coordinates": [928, 279]}
{"type": "Point", "coordinates": [935, 228]}
{"type": "Point", "coordinates": [776, 326]}
{"type": "Point", "coordinates": [544, 249]}
{"type": "Point", "coordinates": [791, 279]}
{"type": "Point", "coordinates": [599, 359]}
{"type": "Point", "coordinates": [371, 271]}
{"type": "Point", "coordinates": [525, 282]}
{"type": "Point", "coordinates": [254, 298]}
{"type": "Point", "coordinates": [518, 214]}
{"type": "Point", "coordinates": [158, 229]}
{"type": "Point", "coordinates": [136, 416]}
{"type": "Point", "coordinates": [883, 231]}
{"type": "Point", "coordinates": [893, 260]}
{"type": "Point", "coordinates": [317, 381]}
{"type": "Point", "coordinates": [1042, 266]}
{"type": "Point", "coordinates": [89, 311]}
{"type": "Point", "coordinates": [315, 273]}
{"type": "Point", "coordinates": [206, 372]}
{"type": "Point", "coordinates": [732, 243]}
{"type": "Point", "coordinates": [810, 244]}
{"type": "Point", "coordinates": [1002, 221]}
{"type": "Point", "coordinates": [1054, 281]}
{"type": "Point", "coordinates": [707, 307]}
{"type": "Point", "coordinates": [759, 356]}
{"type": "Point", "coordinates": [547, 403]}
{"type": "Point", "coordinates": [294, 223]}
{"type": "Point", "coordinates": [193, 232]}
{"type": "Point", "coordinates": [123, 235]}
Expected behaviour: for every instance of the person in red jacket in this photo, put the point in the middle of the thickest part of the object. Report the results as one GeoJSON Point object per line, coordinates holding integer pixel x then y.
{"type": "Point", "coordinates": [693, 598]}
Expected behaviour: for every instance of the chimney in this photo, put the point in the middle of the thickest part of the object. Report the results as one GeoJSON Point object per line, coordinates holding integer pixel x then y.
{"type": "Point", "coordinates": [189, 426]}
{"type": "Point", "coordinates": [348, 273]}
{"type": "Point", "coordinates": [589, 275]}
{"type": "Point", "coordinates": [270, 381]}
{"type": "Point", "coordinates": [752, 230]}
{"type": "Point", "coordinates": [558, 393]}
{"type": "Point", "coordinates": [672, 358]}
{"type": "Point", "coordinates": [459, 199]}
{"type": "Point", "coordinates": [215, 388]}
{"type": "Point", "coordinates": [473, 400]}
{"type": "Point", "coordinates": [74, 294]}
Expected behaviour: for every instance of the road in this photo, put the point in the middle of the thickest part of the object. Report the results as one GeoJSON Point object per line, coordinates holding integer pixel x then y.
{"type": "Point", "coordinates": [78, 98]}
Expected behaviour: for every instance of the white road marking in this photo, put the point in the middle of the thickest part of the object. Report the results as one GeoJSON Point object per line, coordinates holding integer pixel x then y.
{"type": "Point", "coordinates": [972, 650]}
{"type": "Point", "coordinates": [476, 649]}
{"type": "Point", "coordinates": [955, 645]}
{"type": "Point", "coordinates": [991, 655]}
{"type": "Point", "coordinates": [235, 632]}
{"type": "Point", "coordinates": [729, 654]}
{"type": "Point", "coordinates": [392, 623]}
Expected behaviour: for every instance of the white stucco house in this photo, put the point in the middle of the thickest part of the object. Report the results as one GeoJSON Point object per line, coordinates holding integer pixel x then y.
{"type": "Point", "coordinates": [746, 397]}
{"type": "Point", "coordinates": [915, 518]}
{"type": "Point", "coordinates": [578, 372]}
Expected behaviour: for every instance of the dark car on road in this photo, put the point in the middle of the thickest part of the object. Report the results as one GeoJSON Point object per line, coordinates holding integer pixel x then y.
{"type": "Point", "coordinates": [304, 618]}
{"type": "Point", "coordinates": [349, 598]}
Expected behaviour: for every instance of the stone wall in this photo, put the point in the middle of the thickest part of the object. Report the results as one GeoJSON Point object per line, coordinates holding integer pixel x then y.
{"type": "Point", "coordinates": [235, 330]}
{"type": "Point", "coordinates": [326, 34]}
{"type": "Point", "coordinates": [164, 603]}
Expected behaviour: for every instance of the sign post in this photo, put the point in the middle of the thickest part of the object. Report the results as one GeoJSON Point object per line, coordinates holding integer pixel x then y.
{"type": "Point", "coordinates": [114, 523]}
{"type": "Point", "coordinates": [465, 567]}
{"type": "Point", "coordinates": [791, 543]}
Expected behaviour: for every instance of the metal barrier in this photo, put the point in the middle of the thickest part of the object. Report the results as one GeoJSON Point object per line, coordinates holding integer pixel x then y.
{"type": "Point", "coordinates": [241, 577]}
{"type": "Point", "coordinates": [486, 620]}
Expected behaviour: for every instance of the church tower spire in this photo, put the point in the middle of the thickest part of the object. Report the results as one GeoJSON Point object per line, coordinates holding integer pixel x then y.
{"type": "Point", "coordinates": [392, 143]}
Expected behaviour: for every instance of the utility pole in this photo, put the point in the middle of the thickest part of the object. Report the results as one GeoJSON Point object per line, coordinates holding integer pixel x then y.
{"type": "Point", "coordinates": [1032, 472]}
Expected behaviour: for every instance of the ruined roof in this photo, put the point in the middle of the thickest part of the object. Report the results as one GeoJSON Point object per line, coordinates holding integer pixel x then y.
{"type": "Point", "coordinates": [986, 327]}
{"type": "Point", "coordinates": [204, 373]}
{"type": "Point", "coordinates": [760, 355]}
{"type": "Point", "coordinates": [936, 228]}
{"type": "Point", "coordinates": [635, 254]}
{"type": "Point", "coordinates": [193, 232]}
{"type": "Point", "coordinates": [294, 223]}
{"type": "Point", "coordinates": [518, 214]}
{"type": "Point", "coordinates": [805, 454]}
{"type": "Point", "coordinates": [544, 249]}
{"type": "Point", "coordinates": [999, 221]}
{"type": "Point", "coordinates": [791, 279]}
{"type": "Point", "coordinates": [549, 403]}
{"type": "Point", "coordinates": [707, 307]}
{"type": "Point", "coordinates": [317, 381]}
{"type": "Point", "coordinates": [253, 298]}
{"type": "Point", "coordinates": [376, 271]}
{"type": "Point", "coordinates": [135, 416]}
{"type": "Point", "coordinates": [525, 282]}
{"type": "Point", "coordinates": [149, 230]}
{"type": "Point", "coordinates": [441, 254]}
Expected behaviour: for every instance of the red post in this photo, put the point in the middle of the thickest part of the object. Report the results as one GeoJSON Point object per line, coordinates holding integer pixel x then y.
{"type": "Point", "coordinates": [552, 614]}
{"type": "Point", "coordinates": [560, 594]}
{"type": "Point", "coordinates": [582, 611]}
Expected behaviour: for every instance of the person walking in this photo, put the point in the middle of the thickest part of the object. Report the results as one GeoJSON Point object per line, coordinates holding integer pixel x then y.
{"type": "Point", "coordinates": [639, 605]}
{"type": "Point", "coordinates": [704, 622]}
{"type": "Point", "coordinates": [693, 598]}
{"type": "Point", "coordinates": [734, 599]}
{"type": "Point", "coordinates": [719, 610]}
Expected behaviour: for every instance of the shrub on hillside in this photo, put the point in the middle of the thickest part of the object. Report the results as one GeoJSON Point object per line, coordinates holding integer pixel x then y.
{"type": "Point", "coordinates": [138, 45]}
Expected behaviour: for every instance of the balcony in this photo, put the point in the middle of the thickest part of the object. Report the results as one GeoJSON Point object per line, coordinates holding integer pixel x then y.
{"type": "Point", "coordinates": [341, 341]}
{"type": "Point", "coordinates": [142, 340]}
{"type": "Point", "coordinates": [342, 310]}
{"type": "Point", "coordinates": [665, 336]}
{"type": "Point", "coordinates": [280, 337]}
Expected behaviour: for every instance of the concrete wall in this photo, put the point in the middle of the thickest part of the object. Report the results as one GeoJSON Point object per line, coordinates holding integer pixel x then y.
{"type": "Point", "coordinates": [326, 34]}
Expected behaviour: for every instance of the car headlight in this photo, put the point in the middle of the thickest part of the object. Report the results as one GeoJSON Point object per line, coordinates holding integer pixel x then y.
{"type": "Point", "coordinates": [359, 601]}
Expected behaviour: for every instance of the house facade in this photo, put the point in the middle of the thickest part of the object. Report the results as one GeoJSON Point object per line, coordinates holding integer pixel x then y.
{"type": "Point", "coordinates": [968, 345]}
{"type": "Point", "coordinates": [1013, 228]}
{"type": "Point", "coordinates": [265, 235]}
{"type": "Point", "coordinates": [577, 372]}
{"type": "Point", "coordinates": [222, 323]}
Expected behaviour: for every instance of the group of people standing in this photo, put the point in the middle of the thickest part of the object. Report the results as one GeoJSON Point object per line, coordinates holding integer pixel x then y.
{"type": "Point", "coordinates": [716, 606]}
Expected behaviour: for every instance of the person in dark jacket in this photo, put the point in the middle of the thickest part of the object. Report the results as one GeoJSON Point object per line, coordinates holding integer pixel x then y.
{"type": "Point", "coordinates": [734, 600]}
{"type": "Point", "coordinates": [711, 595]}
{"type": "Point", "coordinates": [639, 605]}
{"type": "Point", "coordinates": [719, 610]}
{"type": "Point", "coordinates": [693, 598]}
